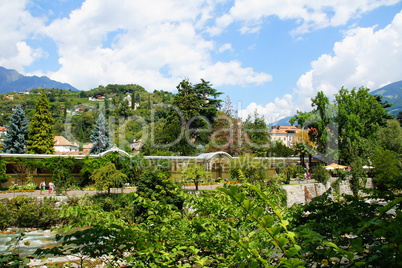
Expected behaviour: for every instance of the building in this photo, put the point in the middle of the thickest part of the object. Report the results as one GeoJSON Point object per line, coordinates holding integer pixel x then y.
{"type": "Point", "coordinates": [3, 132]}
{"type": "Point", "coordinates": [87, 148]}
{"type": "Point", "coordinates": [128, 99]}
{"type": "Point", "coordinates": [97, 97]}
{"type": "Point", "coordinates": [284, 134]}
{"type": "Point", "coordinates": [62, 145]}
{"type": "Point", "coordinates": [136, 145]}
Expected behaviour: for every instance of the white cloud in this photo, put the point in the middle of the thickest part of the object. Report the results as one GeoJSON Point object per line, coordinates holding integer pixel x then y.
{"type": "Point", "coordinates": [365, 57]}
{"type": "Point", "coordinates": [232, 73]}
{"type": "Point", "coordinates": [225, 47]}
{"type": "Point", "coordinates": [17, 24]}
{"type": "Point", "coordinates": [310, 14]}
{"type": "Point", "coordinates": [153, 35]}
{"type": "Point", "coordinates": [272, 111]}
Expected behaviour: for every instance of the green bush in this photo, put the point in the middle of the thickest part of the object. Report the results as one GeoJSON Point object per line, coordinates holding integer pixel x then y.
{"type": "Point", "coordinates": [24, 211]}
{"type": "Point", "coordinates": [4, 216]}
{"type": "Point", "coordinates": [320, 174]}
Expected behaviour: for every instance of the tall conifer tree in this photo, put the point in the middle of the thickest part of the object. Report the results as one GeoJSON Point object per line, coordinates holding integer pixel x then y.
{"type": "Point", "coordinates": [16, 138]}
{"type": "Point", "coordinates": [40, 132]}
{"type": "Point", "coordinates": [100, 137]}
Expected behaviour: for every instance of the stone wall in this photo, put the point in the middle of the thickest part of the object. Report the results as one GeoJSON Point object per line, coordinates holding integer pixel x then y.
{"type": "Point", "coordinates": [304, 192]}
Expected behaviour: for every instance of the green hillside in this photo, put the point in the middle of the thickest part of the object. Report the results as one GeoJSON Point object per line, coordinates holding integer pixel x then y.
{"type": "Point", "coordinates": [75, 112]}
{"type": "Point", "coordinates": [393, 94]}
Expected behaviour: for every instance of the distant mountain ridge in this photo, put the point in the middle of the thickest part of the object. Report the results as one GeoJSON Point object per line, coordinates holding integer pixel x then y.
{"type": "Point", "coordinates": [13, 81]}
{"type": "Point", "coordinates": [393, 94]}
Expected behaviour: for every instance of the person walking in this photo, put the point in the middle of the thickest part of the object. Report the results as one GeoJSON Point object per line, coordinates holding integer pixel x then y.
{"type": "Point", "coordinates": [51, 187]}
{"type": "Point", "coordinates": [42, 187]}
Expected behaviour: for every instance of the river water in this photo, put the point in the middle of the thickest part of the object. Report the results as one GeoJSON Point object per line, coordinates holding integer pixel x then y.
{"type": "Point", "coordinates": [28, 243]}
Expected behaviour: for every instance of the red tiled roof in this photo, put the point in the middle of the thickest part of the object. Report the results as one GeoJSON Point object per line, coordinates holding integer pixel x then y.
{"type": "Point", "coordinates": [283, 129]}
{"type": "Point", "coordinates": [61, 141]}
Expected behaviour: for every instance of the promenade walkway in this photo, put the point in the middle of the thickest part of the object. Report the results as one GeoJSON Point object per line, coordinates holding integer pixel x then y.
{"type": "Point", "coordinates": [36, 193]}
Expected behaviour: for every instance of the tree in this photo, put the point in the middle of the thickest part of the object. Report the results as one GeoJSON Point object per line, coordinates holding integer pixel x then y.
{"type": "Point", "coordinates": [390, 137]}
{"type": "Point", "coordinates": [360, 116]}
{"type": "Point", "coordinates": [100, 137]}
{"type": "Point", "coordinates": [279, 149]}
{"type": "Point", "coordinates": [320, 174]}
{"type": "Point", "coordinates": [320, 126]}
{"type": "Point", "coordinates": [228, 136]}
{"type": "Point", "coordinates": [399, 117]}
{"type": "Point", "coordinates": [387, 170]}
{"type": "Point", "coordinates": [16, 138]}
{"type": "Point", "coordinates": [123, 109]}
{"type": "Point", "coordinates": [62, 169]}
{"type": "Point", "coordinates": [82, 126]}
{"type": "Point", "coordinates": [351, 122]}
{"type": "Point", "coordinates": [3, 172]}
{"type": "Point", "coordinates": [107, 177]}
{"type": "Point", "coordinates": [257, 134]}
{"type": "Point", "coordinates": [195, 173]}
{"type": "Point", "coordinates": [303, 146]}
{"type": "Point", "coordinates": [188, 123]}
{"type": "Point", "coordinates": [228, 132]}
{"type": "Point", "coordinates": [156, 184]}
{"type": "Point", "coordinates": [321, 104]}
{"type": "Point", "coordinates": [40, 132]}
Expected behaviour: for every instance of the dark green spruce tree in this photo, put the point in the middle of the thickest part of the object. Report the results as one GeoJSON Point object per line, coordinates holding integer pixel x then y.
{"type": "Point", "coordinates": [16, 138]}
{"type": "Point", "coordinates": [100, 137]}
{"type": "Point", "coordinates": [40, 131]}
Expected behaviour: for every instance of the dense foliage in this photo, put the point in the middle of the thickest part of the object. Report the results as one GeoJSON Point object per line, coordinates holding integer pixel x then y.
{"type": "Point", "coordinates": [24, 211]}
{"type": "Point", "coordinates": [40, 132]}
{"type": "Point", "coordinates": [100, 137]}
{"type": "Point", "coordinates": [245, 225]}
{"type": "Point", "coordinates": [17, 133]}
{"type": "Point", "coordinates": [234, 226]}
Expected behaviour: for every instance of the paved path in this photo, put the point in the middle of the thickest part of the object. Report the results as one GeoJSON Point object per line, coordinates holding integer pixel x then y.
{"type": "Point", "coordinates": [91, 192]}
{"type": "Point", "coordinates": [117, 190]}
{"type": "Point", "coordinates": [46, 193]}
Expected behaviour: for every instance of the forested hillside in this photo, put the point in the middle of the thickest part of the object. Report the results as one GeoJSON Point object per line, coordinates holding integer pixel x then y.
{"type": "Point", "coordinates": [75, 112]}
{"type": "Point", "coordinates": [391, 93]}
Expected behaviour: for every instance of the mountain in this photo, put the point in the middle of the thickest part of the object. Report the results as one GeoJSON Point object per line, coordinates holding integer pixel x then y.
{"type": "Point", "coordinates": [281, 122]}
{"type": "Point", "coordinates": [12, 81]}
{"type": "Point", "coordinates": [393, 94]}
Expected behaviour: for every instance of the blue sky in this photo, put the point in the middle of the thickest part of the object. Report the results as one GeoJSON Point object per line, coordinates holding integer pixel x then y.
{"type": "Point", "coordinates": [271, 56]}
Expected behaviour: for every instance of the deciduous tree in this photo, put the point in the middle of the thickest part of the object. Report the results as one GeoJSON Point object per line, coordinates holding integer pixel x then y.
{"type": "Point", "coordinates": [108, 176]}
{"type": "Point", "coordinates": [257, 134]}
{"type": "Point", "coordinates": [390, 137]}
{"type": "Point", "coordinates": [360, 116]}
{"type": "Point", "coordinates": [196, 174]}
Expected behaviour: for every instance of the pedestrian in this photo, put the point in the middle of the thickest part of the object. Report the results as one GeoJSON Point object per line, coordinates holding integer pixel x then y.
{"type": "Point", "coordinates": [51, 187]}
{"type": "Point", "coordinates": [42, 187]}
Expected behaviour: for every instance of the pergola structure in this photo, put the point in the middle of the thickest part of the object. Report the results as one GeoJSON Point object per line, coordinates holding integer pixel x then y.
{"type": "Point", "coordinates": [215, 162]}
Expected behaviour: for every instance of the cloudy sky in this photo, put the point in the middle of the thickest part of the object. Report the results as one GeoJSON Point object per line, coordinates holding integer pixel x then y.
{"type": "Point", "coordinates": [266, 55]}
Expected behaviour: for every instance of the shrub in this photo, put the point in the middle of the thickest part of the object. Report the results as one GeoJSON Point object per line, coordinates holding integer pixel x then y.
{"type": "Point", "coordinates": [320, 174]}
{"type": "Point", "coordinates": [24, 211]}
